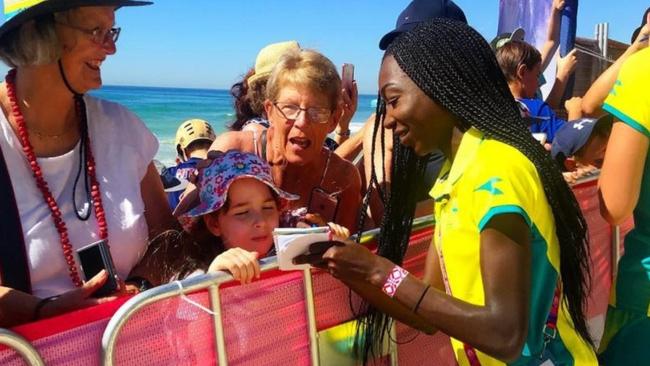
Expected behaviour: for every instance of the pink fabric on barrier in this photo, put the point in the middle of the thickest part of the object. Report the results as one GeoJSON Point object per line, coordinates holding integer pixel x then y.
{"type": "Point", "coordinates": [79, 346]}
{"type": "Point", "coordinates": [626, 227]}
{"type": "Point", "coordinates": [600, 246]}
{"type": "Point", "coordinates": [69, 339]}
{"type": "Point", "coordinates": [331, 299]}
{"type": "Point", "coordinates": [168, 332]}
{"type": "Point", "coordinates": [266, 322]}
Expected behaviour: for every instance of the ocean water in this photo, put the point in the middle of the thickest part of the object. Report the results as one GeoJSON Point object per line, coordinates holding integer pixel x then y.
{"type": "Point", "coordinates": [163, 110]}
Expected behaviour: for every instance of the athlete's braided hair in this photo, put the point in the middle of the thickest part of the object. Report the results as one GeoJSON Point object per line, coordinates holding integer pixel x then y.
{"type": "Point", "coordinates": [455, 67]}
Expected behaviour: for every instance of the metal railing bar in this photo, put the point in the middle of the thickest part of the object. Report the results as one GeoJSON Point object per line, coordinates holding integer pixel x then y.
{"type": "Point", "coordinates": [21, 346]}
{"type": "Point", "coordinates": [311, 317]}
{"type": "Point", "coordinates": [219, 336]}
{"type": "Point", "coordinates": [394, 361]}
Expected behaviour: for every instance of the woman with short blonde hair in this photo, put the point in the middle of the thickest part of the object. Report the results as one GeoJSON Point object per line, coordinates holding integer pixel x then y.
{"type": "Point", "coordinates": [302, 105]}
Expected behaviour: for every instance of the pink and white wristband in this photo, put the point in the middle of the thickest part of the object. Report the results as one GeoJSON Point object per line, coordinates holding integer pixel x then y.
{"type": "Point", "coordinates": [393, 280]}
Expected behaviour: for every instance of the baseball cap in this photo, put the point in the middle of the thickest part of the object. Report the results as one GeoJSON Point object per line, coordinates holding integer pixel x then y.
{"type": "Point", "coordinates": [417, 12]}
{"type": "Point", "coordinates": [503, 38]}
{"type": "Point", "coordinates": [572, 136]}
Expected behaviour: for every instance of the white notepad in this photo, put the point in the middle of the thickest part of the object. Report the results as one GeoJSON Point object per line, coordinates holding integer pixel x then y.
{"type": "Point", "coordinates": [292, 242]}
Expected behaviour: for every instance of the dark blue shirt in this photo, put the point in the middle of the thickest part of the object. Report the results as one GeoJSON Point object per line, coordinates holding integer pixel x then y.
{"type": "Point", "coordinates": [542, 117]}
{"type": "Point", "coordinates": [179, 173]}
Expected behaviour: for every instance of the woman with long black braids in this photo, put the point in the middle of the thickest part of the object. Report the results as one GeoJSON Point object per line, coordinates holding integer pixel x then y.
{"type": "Point", "coordinates": [507, 275]}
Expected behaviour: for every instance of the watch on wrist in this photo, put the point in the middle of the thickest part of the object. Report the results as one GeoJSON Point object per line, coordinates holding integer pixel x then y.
{"type": "Point", "coordinates": [343, 134]}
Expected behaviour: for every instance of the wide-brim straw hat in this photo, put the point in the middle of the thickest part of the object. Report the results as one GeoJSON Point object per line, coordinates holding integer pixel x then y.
{"type": "Point", "coordinates": [269, 56]}
{"type": "Point", "coordinates": [17, 12]}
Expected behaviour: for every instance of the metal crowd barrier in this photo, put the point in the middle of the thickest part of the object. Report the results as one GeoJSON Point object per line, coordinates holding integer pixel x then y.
{"type": "Point", "coordinates": [212, 282]}
{"type": "Point", "coordinates": [21, 346]}
{"type": "Point", "coordinates": [317, 302]}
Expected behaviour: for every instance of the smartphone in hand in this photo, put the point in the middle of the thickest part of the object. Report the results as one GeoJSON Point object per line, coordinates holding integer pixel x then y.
{"type": "Point", "coordinates": [92, 259]}
{"type": "Point", "coordinates": [324, 204]}
{"type": "Point", "coordinates": [347, 77]}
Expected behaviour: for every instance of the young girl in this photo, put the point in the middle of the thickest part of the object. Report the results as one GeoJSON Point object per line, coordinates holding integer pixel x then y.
{"type": "Point", "coordinates": [231, 217]}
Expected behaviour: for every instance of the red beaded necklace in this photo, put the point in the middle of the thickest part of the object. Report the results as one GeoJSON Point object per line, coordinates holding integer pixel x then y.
{"type": "Point", "coordinates": [42, 184]}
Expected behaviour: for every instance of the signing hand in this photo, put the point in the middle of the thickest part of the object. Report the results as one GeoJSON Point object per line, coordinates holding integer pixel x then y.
{"type": "Point", "coordinates": [242, 264]}
{"type": "Point", "coordinates": [347, 260]}
{"type": "Point", "coordinates": [558, 5]}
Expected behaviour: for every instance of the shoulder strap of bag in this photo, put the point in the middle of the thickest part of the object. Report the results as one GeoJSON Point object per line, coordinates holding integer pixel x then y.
{"type": "Point", "coordinates": [14, 271]}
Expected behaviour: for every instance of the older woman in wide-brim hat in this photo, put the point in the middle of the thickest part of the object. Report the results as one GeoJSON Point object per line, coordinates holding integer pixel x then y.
{"type": "Point", "coordinates": [76, 169]}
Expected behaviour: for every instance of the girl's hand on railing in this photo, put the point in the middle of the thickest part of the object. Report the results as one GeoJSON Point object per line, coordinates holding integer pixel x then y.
{"type": "Point", "coordinates": [340, 232]}
{"type": "Point", "coordinates": [76, 299]}
{"type": "Point", "coordinates": [242, 264]}
{"type": "Point", "coordinates": [313, 219]}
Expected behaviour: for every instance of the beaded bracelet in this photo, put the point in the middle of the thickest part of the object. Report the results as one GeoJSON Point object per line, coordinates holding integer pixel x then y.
{"type": "Point", "coordinates": [393, 280]}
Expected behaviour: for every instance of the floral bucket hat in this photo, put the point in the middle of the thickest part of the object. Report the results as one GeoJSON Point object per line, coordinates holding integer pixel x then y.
{"type": "Point", "coordinates": [214, 181]}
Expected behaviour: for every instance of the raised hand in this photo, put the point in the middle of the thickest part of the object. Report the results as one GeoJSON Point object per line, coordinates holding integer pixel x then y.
{"type": "Point", "coordinates": [573, 108]}
{"type": "Point", "coordinates": [567, 65]}
{"type": "Point", "coordinates": [642, 39]}
{"type": "Point", "coordinates": [276, 159]}
{"type": "Point", "coordinates": [349, 103]}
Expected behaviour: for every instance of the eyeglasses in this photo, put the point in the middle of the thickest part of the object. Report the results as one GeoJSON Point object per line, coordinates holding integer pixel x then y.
{"type": "Point", "coordinates": [292, 111]}
{"type": "Point", "coordinates": [97, 35]}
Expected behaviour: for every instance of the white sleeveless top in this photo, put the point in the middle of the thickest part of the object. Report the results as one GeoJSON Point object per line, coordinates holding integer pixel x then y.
{"type": "Point", "coordinates": [123, 147]}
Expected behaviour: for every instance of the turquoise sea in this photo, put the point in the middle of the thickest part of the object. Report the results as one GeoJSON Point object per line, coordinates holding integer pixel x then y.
{"type": "Point", "coordinates": [163, 109]}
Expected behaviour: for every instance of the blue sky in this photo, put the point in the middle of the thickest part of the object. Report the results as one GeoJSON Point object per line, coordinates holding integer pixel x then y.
{"type": "Point", "coordinates": [211, 43]}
